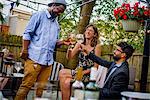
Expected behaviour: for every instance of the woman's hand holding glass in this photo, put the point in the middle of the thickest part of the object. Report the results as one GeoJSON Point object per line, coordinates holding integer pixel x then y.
{"type": "Point", "coordinates": [80, 38]}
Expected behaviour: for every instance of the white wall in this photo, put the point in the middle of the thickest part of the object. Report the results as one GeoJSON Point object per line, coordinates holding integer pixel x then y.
{"type": "Point", "coordinates": [18, 21]}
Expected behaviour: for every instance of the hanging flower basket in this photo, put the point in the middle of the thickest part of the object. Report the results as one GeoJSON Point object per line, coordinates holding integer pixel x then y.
{"type": "Point", "coordinates": [130, 25]}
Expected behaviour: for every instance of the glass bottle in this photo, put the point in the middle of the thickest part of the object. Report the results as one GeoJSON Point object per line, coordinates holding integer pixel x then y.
{"type": "Point", "coordinates": [78, 77]}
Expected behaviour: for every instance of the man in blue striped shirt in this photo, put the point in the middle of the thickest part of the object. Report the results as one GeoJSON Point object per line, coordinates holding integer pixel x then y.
{"type": "Point", "coordinates": [39, 40]}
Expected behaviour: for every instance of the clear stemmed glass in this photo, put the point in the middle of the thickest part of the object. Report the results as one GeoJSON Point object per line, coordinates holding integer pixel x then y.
{"type": "Point", "coordinates": [18, 66]}
{"type": "Point", "coordinates": [80, 38]}
{"type": "Point", "coordinates": [72, 40]}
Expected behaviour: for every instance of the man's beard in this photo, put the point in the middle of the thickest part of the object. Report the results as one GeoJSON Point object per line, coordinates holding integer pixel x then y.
{"type": "Point", "coordinates": [116, 58]}
{"type": "Point", "coordinates": [53, 15]}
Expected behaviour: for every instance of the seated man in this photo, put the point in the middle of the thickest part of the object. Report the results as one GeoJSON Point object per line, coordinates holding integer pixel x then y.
{"type": "Point", "coordinates": [117, 78]}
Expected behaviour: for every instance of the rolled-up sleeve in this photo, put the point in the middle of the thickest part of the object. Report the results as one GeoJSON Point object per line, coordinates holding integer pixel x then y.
{"type": "Point", "coordinates": [31, 27]}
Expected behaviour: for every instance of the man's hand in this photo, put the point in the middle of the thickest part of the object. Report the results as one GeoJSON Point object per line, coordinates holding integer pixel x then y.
{"type": "Point", "coordinates": [63, 42]}
{"type": "Point", "coordinates": [24, 54]}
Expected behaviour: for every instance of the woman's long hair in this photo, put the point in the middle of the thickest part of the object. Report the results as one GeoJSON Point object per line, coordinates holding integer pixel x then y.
{"type": "Point", "coordinates": [95, 40]}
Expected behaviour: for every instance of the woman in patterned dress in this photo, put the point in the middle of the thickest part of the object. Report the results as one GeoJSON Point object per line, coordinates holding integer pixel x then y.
{"type": "Point", "coordinates": [91, 37]}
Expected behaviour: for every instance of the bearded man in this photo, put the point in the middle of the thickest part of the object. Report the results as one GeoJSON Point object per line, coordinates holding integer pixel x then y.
{"type": "Point", "coordinates": [117, 78]}
{"type": "Point", "coordinates": [39, 40]}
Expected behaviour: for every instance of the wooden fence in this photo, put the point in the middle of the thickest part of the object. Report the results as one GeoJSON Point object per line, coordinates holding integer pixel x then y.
{"type": "Point", "coordinates": [135, 61]}
{"type": "Point", "coordinates": [13, 43]}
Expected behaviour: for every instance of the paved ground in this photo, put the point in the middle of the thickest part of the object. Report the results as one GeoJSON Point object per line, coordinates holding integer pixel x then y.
{"type": "Point", "coordinates": [52, 95]}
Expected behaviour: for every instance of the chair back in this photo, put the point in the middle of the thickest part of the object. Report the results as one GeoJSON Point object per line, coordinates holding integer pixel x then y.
{"type": "Point", "coordinates": [56, 67]}
{"type": "Point", "coordinates": [101, 75]}
{"type": "Point", "coordinates": [132, 73]}
{"type": "Point", "coordinates": [1, 61]}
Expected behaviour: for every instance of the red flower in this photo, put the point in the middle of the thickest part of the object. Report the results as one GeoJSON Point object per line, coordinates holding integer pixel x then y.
{"type": "Point", "coordinates": [136, 4]}
{"type": "Point", "coordinates": [123, 4]}
{"type": "Point", "coordinates": [121, 13]}
{"type": "Point", "coordinates": [127, 5]}
{"type": "Point", "coordinates": [116, 12]}
{"type": "Point", "coordinates": [135, 13]}
{"type": "Point", "coordinates": [125, 17]}
{"type": "Point", "coordinates": [146, 13]}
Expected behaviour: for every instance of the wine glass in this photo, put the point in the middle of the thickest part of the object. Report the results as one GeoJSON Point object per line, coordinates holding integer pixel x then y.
{"type": "Point", "coordinates": [18, 66]}
{"type": "Point", "coordinates": [80, 38]}
{"type": "Point", "coordinates": [72, 40]}
{"type": "Point", "coordinates": [47, 91]}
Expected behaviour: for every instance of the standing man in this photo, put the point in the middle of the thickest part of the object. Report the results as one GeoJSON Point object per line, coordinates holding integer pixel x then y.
{"type": "Point", "coordinates": [39, 40]}
{"type": "Point", "coordinates": [117, 78]}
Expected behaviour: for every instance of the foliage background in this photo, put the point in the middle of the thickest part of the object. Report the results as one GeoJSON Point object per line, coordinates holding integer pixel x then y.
{"type": "Point", "coordinates": [110, 30]}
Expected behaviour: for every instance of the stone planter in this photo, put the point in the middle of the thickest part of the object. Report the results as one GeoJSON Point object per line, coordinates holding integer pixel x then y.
{"type": "Point", "coordinates": [130, 25]}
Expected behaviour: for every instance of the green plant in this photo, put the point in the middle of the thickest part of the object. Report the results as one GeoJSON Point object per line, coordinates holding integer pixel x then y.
{"type": "Point", "coordinates": [1, 16]}
{"type": "Point", "coordinates": [104, 8]}
{"type": "Point", "coordinates": [112, 33]}
{"type": "Point", "coordinates": [136, 12]}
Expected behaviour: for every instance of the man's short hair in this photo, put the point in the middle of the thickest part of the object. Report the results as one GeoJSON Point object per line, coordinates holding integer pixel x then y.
{"type": "Point", "coordinates": [126, 48]}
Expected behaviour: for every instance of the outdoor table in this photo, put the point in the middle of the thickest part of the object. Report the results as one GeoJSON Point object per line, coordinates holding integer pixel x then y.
{"type": "Point", "coordinates": [135, 95]}
{"type": "Point", "coordinates": [8, 66]}
{"type": "Point", "coordinates": [85, 94]}
{"type": "Point", "coordinates": [49, 92]}
{"type": "Point", "coordinates": [12, 85]}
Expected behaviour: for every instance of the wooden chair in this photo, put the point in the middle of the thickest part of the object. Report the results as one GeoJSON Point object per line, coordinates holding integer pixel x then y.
{"type": "Point", "coordinates": [1, 61]}
{"type": "Point", "coordinates": [132, 73]}
{"type": "Point", "coordinates": [56, 67]}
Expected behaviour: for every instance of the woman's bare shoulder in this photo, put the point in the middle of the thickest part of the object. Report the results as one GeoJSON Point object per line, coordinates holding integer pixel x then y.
{"type": "Point", "coordinates": [98, 46]}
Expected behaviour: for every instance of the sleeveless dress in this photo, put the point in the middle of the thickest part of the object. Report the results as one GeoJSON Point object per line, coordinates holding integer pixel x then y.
{"type": "Point", "coordinates": [86, 63]}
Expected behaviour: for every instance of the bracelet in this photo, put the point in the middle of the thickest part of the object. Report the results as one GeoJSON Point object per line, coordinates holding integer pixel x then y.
{"type": "Point", "coordinates": [73, 72]}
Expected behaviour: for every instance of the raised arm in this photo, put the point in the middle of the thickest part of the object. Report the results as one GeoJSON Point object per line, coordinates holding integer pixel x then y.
{"type": "Point", "coordinates": [94, 57]}
{"type": "Point", "coordinates": [98, 60]}
{"type": "Point", "coordinates": [72, 52]}
{"type": "Point", "coordinates": [97, 53]}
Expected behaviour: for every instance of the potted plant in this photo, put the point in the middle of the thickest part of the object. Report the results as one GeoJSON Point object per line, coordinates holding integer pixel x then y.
{"type": "Point", "coordinates": [131, 17]}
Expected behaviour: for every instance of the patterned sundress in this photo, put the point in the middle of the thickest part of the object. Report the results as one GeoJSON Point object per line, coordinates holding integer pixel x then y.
{"type": "Point", "coordinates": [86, 63]}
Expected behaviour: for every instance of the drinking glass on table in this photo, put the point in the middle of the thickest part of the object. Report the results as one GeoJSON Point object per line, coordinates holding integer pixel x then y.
{"type": "Point", "coordinates": [18, 66]}
{"type": "Point", "coordinates": [45, 89]}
